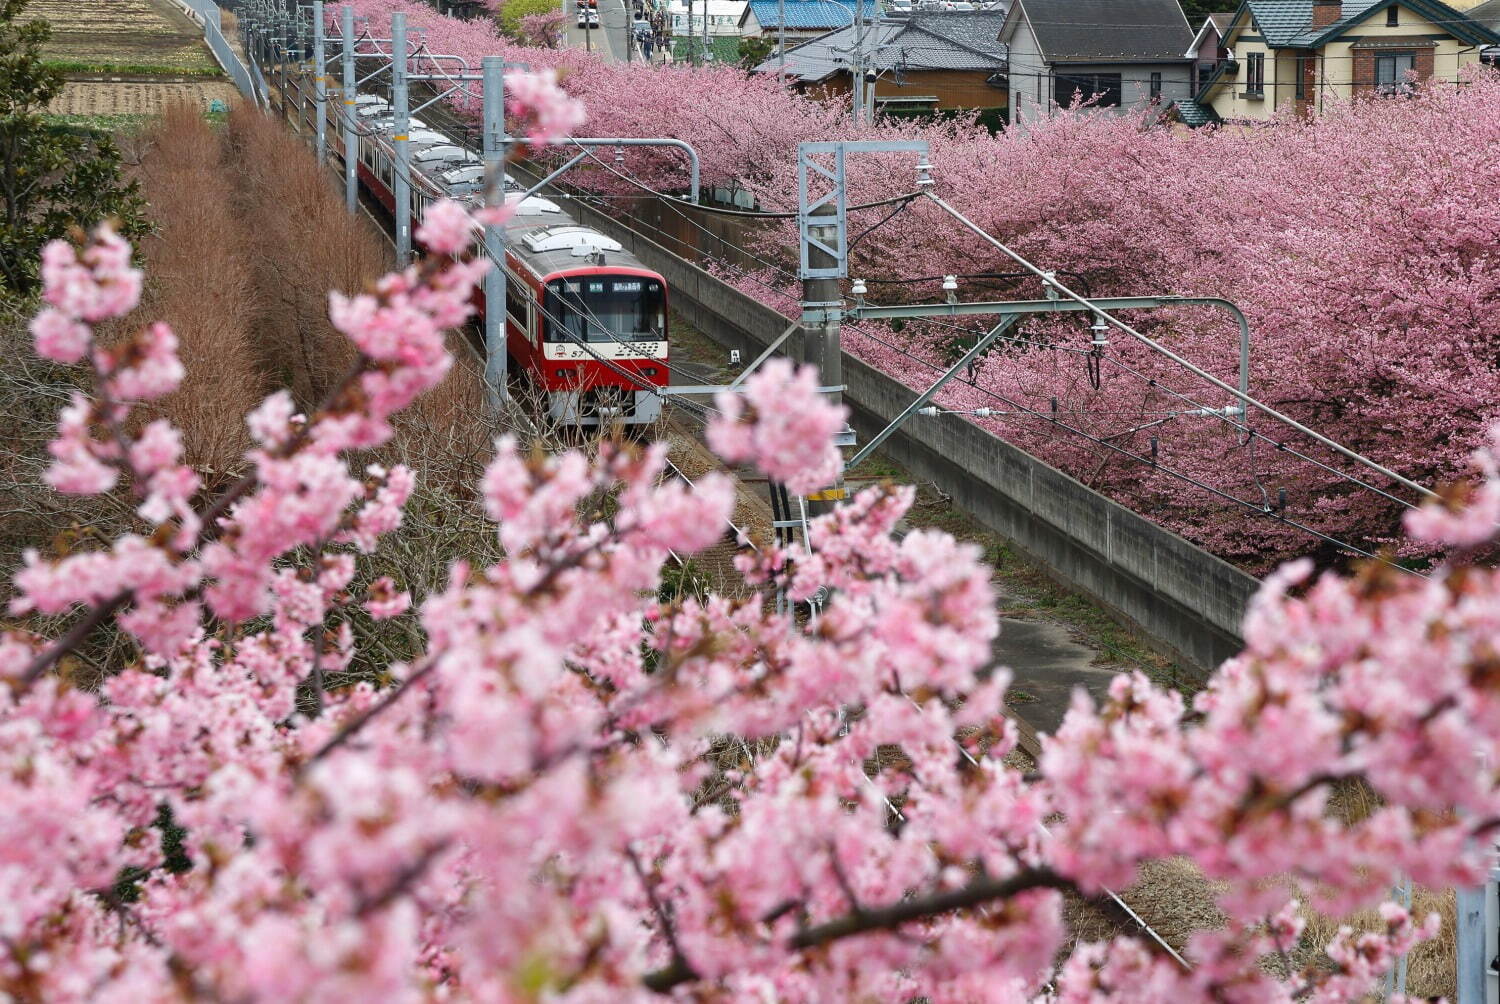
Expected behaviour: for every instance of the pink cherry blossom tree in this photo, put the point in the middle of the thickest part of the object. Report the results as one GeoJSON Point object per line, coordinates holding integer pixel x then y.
{"type": "Point", "coordinates": [577, 791]}
{"type": "Point", "coordinates": [1371, 303]}
{"type": "Point", "coordinates": [543, 30]}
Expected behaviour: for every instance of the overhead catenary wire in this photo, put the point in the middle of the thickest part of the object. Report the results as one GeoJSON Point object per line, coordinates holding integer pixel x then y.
{"type": "Point", "coordinates": [1262, 509]}
{"type": "Point", "coordinates": [1250, 506]}
{"type": "Point", "coordinates": [1128, 329]}
{"type": "Point", "coordinates": [904, 200]}
{"type": "Point", "coordinates": [782, 271]}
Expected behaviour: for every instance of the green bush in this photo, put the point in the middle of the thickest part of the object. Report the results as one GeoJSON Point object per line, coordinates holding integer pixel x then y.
{"type": "Point", "coordinates": [512, 11]}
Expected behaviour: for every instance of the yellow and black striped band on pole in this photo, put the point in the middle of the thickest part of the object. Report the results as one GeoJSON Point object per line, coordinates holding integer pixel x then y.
{"type": "Point", "coordinates": [827, 495]}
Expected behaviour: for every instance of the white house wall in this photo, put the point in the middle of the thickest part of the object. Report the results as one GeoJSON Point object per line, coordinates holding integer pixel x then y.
{"type": "Point", "coordinates": [1232, 101]}
{"type": "Point", "coordinates": [1030, 86]}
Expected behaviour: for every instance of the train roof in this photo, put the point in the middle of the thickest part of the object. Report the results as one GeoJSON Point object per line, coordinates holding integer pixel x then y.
{"type": "Point", "coordinates": [548, 240]}
{"type": "Point", "coordinates": [541, 233]}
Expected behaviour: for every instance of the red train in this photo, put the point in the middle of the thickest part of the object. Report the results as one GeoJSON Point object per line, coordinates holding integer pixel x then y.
{"type": "Point", "coordinates": [586, 321]}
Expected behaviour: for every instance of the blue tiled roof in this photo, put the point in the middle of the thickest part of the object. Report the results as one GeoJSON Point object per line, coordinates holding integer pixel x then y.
{"type": "Point", "coordinates": [807, 13]}
{"type": "Point", "coordinates": [1289, 22]}
{"type": "Point", "coordinates": [1280, 21]}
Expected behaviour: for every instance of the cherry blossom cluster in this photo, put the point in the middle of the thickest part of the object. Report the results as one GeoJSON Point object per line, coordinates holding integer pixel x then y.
{"type": "Point", "coordinates": [579, 787]}
{"type": "Point", "coordinates": [1358, 293]}
{"type": "Point", "coordinates": [793, 445]}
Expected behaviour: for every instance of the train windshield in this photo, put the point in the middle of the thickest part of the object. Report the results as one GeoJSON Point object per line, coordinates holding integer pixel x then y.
{"type": "Point", "coordinates": [603, 308]}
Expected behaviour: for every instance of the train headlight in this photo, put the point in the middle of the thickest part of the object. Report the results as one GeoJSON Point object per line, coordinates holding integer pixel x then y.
{"type": "Point", "coordinates": [649, 371]}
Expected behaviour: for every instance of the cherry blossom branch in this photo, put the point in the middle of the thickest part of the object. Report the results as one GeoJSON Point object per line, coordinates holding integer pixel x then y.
{"type": "Point", "coordinates": [402, 881]}
{"type": "Point", "coordinates": [364, 717]}
{"type": "Point", "coordinates": [982, 890]}
{"type": "Point", "coordinates": [73, 637]}
{"type": "Point", "coordinates": [679, 963]}
{"type": "Point", "coordinates": [863, 921]}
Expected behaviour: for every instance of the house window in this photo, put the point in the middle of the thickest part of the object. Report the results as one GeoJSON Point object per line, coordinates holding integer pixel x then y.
{"type": "Point", "coordinates": [1391, 72]}
{"type": "Point", "coordinates": [1392, 18]}
{"type": "Point", "coordinates": [1105, 85]}
{"type": "Point", "coordinates": [1255, 73]}
{"type": "Point", "coordinates": [1155, 86]}
{"type": "Point", "coordinates": [1301, 86]}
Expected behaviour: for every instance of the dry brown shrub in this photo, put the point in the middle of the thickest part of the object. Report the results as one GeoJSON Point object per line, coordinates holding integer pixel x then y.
{"type": "Point", "coordinates": [304, 244]}
{"type": "Point", "coordinates": [199, 281]}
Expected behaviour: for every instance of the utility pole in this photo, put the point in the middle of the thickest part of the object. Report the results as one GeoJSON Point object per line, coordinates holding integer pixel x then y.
{"type": "Point", "coordinates": [351, 120]}
{"type": "Point", "coordinates": [283, 38]}
{"type": "Point", "coordinates": [708, 54]}
{"type": "Point", "coordinates": [781, 40]}
{"type": "Point", "coordinates": [496, 149]}
{"type": "Point", "coordinates": [299, 50]}
{"type": "Point", "coordinates": [857, 91]}
{"type": "Point", "coordinates": [320, 81]}
{"type": "Point", "coordinates": [822, 227]}
{"type": "Point", "coordinates": [822, 310]}
{"type": "Point", "coordinates": [400, 127]}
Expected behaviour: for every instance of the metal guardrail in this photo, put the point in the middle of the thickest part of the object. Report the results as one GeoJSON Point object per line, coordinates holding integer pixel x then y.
{"type": "Point", "coordinates": [251, 86]}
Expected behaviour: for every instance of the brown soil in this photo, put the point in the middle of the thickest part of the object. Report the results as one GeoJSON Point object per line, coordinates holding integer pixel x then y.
{"type": "Point", "coordinates": [155, 33]}
{"type": "Point", "coordinates": [137, 98]}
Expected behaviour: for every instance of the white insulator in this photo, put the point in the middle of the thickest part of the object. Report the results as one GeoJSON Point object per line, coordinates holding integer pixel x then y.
{"type": "Point", "coordinates": [931, 411]}
{"type": "Point", "coordinates": [858, 289]}
{"type": "Point", "coordinates": [1099, 328]}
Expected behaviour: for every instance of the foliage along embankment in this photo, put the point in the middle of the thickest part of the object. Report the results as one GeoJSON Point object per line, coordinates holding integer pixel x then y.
{"type": "Point", "coordinates": [1360, 245]}
{"type": "Point", "coordinates": [246, 236]}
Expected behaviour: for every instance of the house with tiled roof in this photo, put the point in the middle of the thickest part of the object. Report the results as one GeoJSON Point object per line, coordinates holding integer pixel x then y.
{"type": "Point", "coordinates": [685, 24]}
{"type": "Point", "coordinates": [1207, 50]}
{"type": "Point", "coordinates": [804, 18]}
{"type": "Point", "coordinates": [927, 63]}
{"type": "Point", "coordinates": [1488, 14]}
{"type": "Point", "coordinates": [1300, 54]}
{"type": "Point", "coordinates": [1118, 54]}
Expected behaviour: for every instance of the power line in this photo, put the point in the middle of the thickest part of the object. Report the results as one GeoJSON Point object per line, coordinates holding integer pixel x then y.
{"type": "Point", "coordinates": [1263, 509]}
{"type": "Point", "coordinates": [1030, 412]}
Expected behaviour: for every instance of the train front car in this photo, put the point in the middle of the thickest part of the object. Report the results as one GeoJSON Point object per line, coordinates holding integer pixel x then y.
{"type": "Point", "coordinates": [594, 337]}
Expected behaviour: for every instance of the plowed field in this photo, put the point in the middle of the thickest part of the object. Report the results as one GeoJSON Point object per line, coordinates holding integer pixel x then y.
{"type": "Point", "coordinates": [123, 36]}
{"type": "Point", "coordinates": [137, 97]}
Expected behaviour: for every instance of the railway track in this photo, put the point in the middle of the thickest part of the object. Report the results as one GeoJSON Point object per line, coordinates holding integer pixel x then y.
{"type": "Point", "coordinates": [688, 458]}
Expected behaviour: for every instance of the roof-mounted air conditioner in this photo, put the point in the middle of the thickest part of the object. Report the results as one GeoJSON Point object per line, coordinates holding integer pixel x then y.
{"type": "Point", "coordinates": [579, 240]}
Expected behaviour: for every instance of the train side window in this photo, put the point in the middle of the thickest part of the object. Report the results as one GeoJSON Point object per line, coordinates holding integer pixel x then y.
{"type": "Point", "coordinates": [515, 304]}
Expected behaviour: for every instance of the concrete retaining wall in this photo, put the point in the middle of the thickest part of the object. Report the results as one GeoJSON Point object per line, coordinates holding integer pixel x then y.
{"type": "Point", "coordinates": [1188, 601]}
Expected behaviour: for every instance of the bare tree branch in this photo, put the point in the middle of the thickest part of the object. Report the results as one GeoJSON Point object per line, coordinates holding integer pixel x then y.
{"type": "Point", "coordinates": [863, 921]}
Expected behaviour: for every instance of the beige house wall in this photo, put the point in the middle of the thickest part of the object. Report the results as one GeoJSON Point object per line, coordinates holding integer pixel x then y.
{"type": "Point", "coordinates": [1338, 63]}
{"type": "Point", "coordinates": [1336, 70]}
{"type": "Point", "coordinates": [1230, 98]}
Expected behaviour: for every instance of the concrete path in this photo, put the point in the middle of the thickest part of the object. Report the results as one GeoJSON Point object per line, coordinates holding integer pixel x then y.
{"type": "Point", "coordinates": [1047, 666]}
